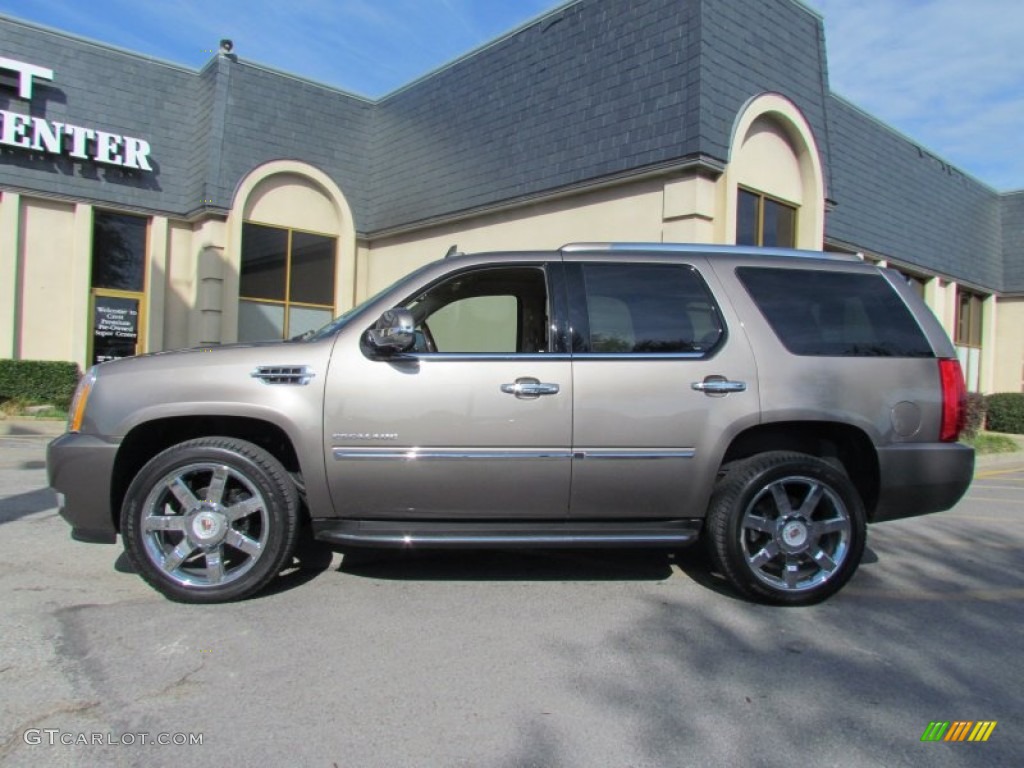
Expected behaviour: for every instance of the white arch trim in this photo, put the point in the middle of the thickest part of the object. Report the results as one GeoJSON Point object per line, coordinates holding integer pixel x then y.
{"type": "Point", "coordinates": [782, 111]}
{"type": "Point", "coordinates": [345, 279]}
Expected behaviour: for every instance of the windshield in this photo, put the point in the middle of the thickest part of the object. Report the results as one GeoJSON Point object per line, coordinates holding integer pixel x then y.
{"type": "Point", "coordinates": [342, 320]}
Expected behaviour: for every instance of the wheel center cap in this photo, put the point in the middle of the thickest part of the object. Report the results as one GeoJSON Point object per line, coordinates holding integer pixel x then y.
{"type": "Point", "coordinates": [794, 533]}
{"type": "Point", "coordinates": [208, 527]}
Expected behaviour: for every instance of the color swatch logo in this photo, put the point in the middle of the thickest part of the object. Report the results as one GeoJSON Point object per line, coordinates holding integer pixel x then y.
{"type": "Point", "coordinates": [958, 730]}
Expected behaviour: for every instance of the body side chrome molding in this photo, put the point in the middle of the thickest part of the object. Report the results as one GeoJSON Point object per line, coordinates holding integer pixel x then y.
{"type": "Point", "coordinates": [634, 453]}
{"type": "Point", "coordinates": [435, 454]}
{"type": "Point", "coordinates": [346, 453]}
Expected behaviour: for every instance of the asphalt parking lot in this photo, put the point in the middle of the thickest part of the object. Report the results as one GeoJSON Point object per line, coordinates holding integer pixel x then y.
{"type": "Point", "coordinates": [574, 658]}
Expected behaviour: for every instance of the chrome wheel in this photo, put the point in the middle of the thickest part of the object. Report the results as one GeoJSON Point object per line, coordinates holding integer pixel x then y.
{"type": "Point", "coordinates": [210, 520]}
{"type": "Point", "coordinates": [795, 534]}
{"type": "Point", "coordinates": [204, 525]}
{"type": "Point", "coordinates": [785, 527]}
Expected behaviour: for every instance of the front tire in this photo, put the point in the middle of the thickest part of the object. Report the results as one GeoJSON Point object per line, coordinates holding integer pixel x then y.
{"type": "Point", "coordinates": [210, 520]}
{"type": "Point", "coordinates": [786, 528]}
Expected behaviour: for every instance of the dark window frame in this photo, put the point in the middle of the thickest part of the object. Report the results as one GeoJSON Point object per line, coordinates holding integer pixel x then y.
{"type": "Point", "coordinates": [761, 204]}
{"type": "Point", "coordinates": [288, 303]}
{"type": "Point", "coordinates": [107, 292]}
{"type": "Point", "coordinates": [970, 325]}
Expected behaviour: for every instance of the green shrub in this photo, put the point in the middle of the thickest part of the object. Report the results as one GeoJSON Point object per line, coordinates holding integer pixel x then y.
{"type": "Point", "coordinates": [975, 414]}
{"type": "Point", "coordinates": [1006, 412]}
{"type": "Point", "coordinates": [39, 381]}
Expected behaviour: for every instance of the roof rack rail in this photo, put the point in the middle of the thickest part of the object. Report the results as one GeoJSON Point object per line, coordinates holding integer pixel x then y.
{"type": "Point", "coordinates": [703, 249]}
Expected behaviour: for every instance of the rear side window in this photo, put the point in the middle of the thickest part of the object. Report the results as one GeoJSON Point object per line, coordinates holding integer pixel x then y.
{"type": "Point", "coordinates": [649, 309]}
{"type": "Point", "coordinates": [835, 314]}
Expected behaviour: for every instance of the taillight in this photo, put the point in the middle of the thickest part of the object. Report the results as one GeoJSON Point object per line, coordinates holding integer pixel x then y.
{"type": "Point", "coordinates": [954, 400]}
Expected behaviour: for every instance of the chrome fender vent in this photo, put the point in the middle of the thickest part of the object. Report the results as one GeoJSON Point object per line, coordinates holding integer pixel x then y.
{"type": "Point", "coordinates": [283, 374]}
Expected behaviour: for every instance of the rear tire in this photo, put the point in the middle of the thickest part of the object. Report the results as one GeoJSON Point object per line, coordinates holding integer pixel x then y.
{"type": "Point", "coordinates": [210, 520]}
{"type": "Point", "coordinates": [786, 528]}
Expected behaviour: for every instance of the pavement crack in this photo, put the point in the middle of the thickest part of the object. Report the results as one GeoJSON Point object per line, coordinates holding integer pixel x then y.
{"type": "Point", "coordinates": [181, 685]}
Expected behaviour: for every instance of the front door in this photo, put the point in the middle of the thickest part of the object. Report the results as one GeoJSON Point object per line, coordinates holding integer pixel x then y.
{"type": "Point", "coordinates": [476, 422]}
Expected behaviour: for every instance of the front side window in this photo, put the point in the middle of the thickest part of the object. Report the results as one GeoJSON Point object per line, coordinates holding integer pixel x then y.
{"type": "Point", "coordinates": [762, 220]}
{"type": "Point", "coordinates": [286, 284]}
{"type": "Point", "coordinates": [835, 313]}
{"type": "Point", "coordinates": [484, 311]}
{"type": "Point", "coordinates": [648, 309]}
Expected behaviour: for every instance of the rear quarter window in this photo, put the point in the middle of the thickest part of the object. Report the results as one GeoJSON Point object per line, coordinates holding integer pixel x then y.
{"type": "Point", "coordinates": [835, 314]}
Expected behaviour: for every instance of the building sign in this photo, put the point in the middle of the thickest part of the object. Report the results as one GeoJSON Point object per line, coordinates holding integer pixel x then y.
{"type": "Point", "coordinates": [115, 328]}
{"type": "Point", "coordinates": [37, 134]}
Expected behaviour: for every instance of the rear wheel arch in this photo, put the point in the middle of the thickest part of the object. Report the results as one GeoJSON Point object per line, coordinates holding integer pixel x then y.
{"type": "Point", "coordinates": [842, 445]}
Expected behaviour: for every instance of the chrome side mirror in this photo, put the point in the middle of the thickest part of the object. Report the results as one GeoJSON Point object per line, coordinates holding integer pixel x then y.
{"type": "Point", "coordinates": [395, 331]}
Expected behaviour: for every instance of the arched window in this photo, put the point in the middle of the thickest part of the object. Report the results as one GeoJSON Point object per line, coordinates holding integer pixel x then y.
{"type": "Point", "coordinates": [292, 241]}
{"type": "Point", "coordinates": [775, 181]}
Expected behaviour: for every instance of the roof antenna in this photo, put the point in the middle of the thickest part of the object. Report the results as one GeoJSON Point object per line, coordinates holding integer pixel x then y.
{"type": "Point", "coordinates": [453, 251]}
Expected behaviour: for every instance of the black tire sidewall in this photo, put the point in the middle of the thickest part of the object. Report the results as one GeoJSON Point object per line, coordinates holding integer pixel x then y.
{"type": "Point", "coordinates": [259, 468]}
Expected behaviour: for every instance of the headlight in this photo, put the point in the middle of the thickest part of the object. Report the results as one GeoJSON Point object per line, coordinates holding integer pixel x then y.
{"type": "Point", "coordinates": [78, 402]}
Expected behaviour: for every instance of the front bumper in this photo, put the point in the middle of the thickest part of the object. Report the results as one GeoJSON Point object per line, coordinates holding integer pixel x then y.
{"type": "Point", "coordinates": [920, 478]}
{"type": "Point", "coordinates": [79, 468]}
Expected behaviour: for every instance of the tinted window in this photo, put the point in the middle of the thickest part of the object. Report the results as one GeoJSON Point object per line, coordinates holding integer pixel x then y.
{"type": "Point", "coordinates": [286, 283]}
{"type": "Point", "coordinates": [312, 269]}
{"type": "Point", "coordinates": [835, 313]}
{"type": "Point", "coordinates": [649, 309]}
{"type": "Point", "coordinates": [264, 262]}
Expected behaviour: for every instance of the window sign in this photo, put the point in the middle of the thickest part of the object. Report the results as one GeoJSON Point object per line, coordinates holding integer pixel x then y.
{"type": "Point", "coordinates": [115, 326]}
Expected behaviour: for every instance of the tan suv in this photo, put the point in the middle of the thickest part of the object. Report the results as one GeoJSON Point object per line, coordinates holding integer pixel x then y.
{"type": "Point", "coordinates": [772, 402]}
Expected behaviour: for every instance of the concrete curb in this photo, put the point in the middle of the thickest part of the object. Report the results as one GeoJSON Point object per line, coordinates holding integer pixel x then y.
{"type": "Point", "coordinates": [1000, 461]}
{"type": "Point", "coordinates": [32, 427]}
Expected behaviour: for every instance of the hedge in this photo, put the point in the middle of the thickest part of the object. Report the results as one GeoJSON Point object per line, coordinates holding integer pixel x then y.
{"type": "Point", "coordinates": [975, 414]}
{"type": "Point", "coordinates": [1006, 412]}
{"type": "Point", "coordinates": [40, 381]}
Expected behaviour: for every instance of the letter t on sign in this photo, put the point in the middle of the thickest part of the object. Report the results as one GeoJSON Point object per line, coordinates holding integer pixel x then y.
{"type": "Point", "coordinates": [25, 74]}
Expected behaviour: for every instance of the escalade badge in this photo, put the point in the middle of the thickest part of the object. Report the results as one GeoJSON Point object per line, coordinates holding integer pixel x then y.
{"type": "Point", "coordinates": [365, 436]}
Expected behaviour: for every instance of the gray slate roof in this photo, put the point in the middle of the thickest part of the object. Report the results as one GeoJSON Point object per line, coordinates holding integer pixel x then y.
{"type": "Point", "coordinates": [897, 199]}
{"type": "Point", "coordinates": [594, 90]}
{"type": "Point", "coordinates": [1013, 242]}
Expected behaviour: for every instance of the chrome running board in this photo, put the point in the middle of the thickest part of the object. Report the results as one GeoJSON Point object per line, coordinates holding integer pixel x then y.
{"type": "Point", "coordinates": [505, 533]}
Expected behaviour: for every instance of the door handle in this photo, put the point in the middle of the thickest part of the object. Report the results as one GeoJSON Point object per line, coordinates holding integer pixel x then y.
{"type": "Point", "coordinates": [719, 385]}
{"type": "Point", "coordinates": [529, 388]}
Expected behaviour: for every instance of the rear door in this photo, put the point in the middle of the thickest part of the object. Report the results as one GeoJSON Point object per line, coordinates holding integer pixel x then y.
{"type": "Point", "coordinates": [664, 378]}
